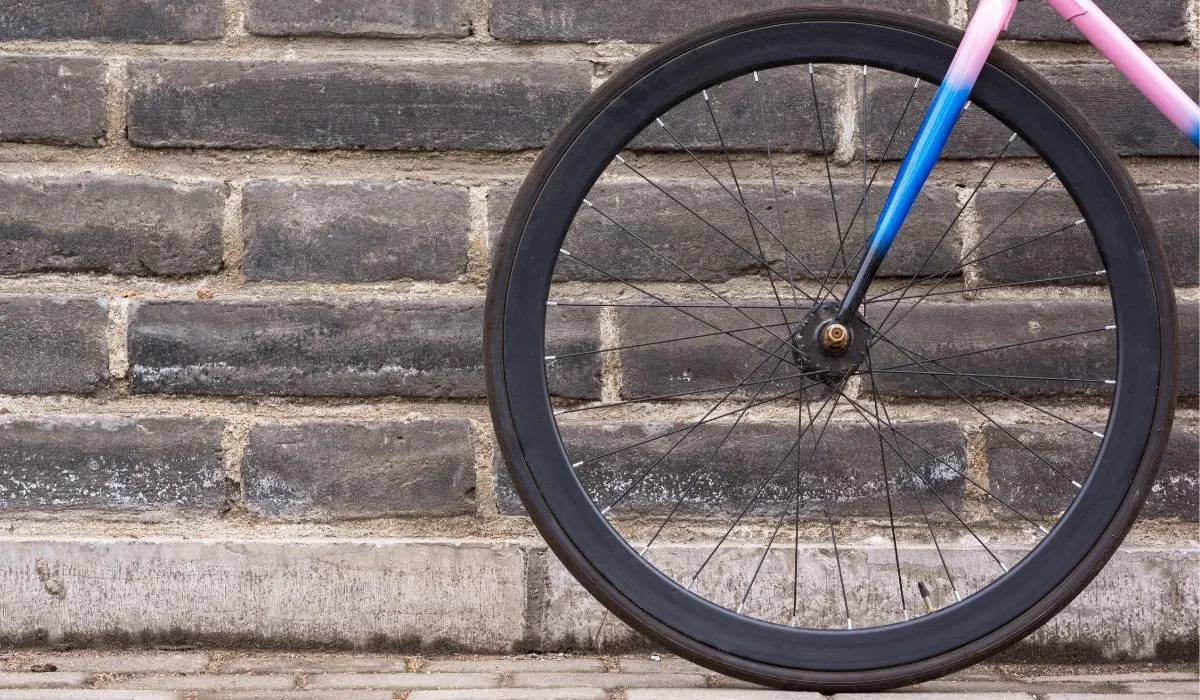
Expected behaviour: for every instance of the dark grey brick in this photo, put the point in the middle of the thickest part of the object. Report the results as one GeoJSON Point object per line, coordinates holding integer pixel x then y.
{"type": "Point", "coordinates": [643, 20]}
{"type": "Point", "coordinates": [54, 345]}
{"type": "Point", "coordinates": [803, 213]}
{"type": "Point", "coordinates": [1189, 348]}
{"type": "Point", "coordinates": [380, 18]}
{"type": "Point", "coordinates": [846, 472]}
{"type": "Point", "coordinates": [52, 99]}
{"type": "Point", "coordinates": [752, 116]}
{"type": "Point", "coordinates": [315, 104]}
{"type": "Point", "coordinates": [1176, 215]}
{"type": "Point", "coordinates": [1149, 20]}
{"type": "Point", "coordinates": [705, 364]}
{"type": "Point", "coordinates": [55, 463]}
{"type": "Point", "coordinates": [111, 20]}
{"type": "Point", "coordinates": [360, 232]}
{"type": "Point", "coordinates": [1031, 487]}
{"type": "Point", "coordinates": [335, 347]}
{"type": "Point", "coordinates": [109, 223]}
{"type": "Point", "coordinates": [360, 469]}
{"type": "Point", "coordinates": [945, 330]}
{"type": "Point", "coordinates": [1128, 121]}
{"type": "Point", "coordinates": [1011, 218]}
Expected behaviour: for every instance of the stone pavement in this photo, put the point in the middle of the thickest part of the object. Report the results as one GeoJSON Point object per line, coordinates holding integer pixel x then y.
{"type": "Point", "coordinates": [199, 675]}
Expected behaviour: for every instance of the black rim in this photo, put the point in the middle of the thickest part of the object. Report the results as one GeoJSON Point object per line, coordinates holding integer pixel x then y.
{"type": "Point", "coordinates": [541, 222]}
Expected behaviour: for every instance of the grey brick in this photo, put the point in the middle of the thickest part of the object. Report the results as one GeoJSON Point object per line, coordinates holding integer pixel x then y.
{"type": "Point", "coordinates": [335, 347]}
{"type": "Point", "coordinates": [608, 680]}
{"type": "Point", "coordinates": [843, 475]}
{"type": "Point", "coordinates": [1189, 348]}
{"type": "Point", "coordinates": [317, 105]}
{"type": "Point", "coordinates": [360, 232]}
{"type": "Point", "coordinates": [712, 364]}
{"type": "Point", "coordinates": [1032, 488]}
{"type": "Point", "coordinates": [314, 663]}
{"type": "Point", "coordinates": [124, 20]}
{"type": "Point", "coordinates": [54, 463]}
{"type": "Point", "coordinates": [205, 682]}
{"type": "Point", "coordinates": [643, 20]}
{"type": "Point", "coordinates": [771, 123]}
{"type": "Point", "coordinates": [1129, 122]}
{"type": "Point", "coordinates": [360, 469]}
{"type": "Point", "coordinates": [122, 663]}
{"type": "Point", "coordinates": [1151, 20]}
{"type": "Point", "coordinates": [60, 343]}
{"type": "Point", "coordinates": [387, 18]}
{"type": "Point", "coordinates": [798, 217]}
{"type": "Point", "coordinates": [511, 694]}
{"type": "Point", "coordinates": [936, 331]}
{"type": "Point", "coordinates": [52, 99]}
{"type": "Point", "coordinates": [402, 681]}
{"type": "Point", "coordinates": [1176, 215]}
{"type": "Point", "coordinates": [42, 680]}
{"type": "Point", "coordinates": [1008, 220]}
{"type": "Point", "coordinates": [109, 223]}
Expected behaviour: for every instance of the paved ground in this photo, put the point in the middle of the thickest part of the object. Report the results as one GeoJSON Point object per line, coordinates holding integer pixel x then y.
{"type": "Point", "coordinates": [194, 675]}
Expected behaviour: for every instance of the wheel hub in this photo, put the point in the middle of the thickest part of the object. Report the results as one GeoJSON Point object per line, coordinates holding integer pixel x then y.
{"type": "Point", "coordinates": [828, 349]}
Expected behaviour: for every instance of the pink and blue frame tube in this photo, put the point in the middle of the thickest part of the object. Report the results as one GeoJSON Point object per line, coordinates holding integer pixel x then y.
{"type": "Point", "coordinates": [990, 20]}
{"type": "Point", "coordinates": [1155, 84]}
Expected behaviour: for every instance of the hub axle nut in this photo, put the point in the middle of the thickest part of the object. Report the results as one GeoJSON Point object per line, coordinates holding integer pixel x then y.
{"type": "Point", "coordinates": [835, 337]}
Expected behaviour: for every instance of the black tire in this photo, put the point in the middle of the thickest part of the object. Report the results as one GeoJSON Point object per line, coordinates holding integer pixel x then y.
{"type": "Point", "coordinates": [879, 658]}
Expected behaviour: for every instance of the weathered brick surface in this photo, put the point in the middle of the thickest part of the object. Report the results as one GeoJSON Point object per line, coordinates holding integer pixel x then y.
{"type": "Point", "coordinates": [127, 20]}
{"type": "Point", "coordinates": [1012, 223]}
{"type": "Point", "coordinates": [751, 469]}
{"type": "Point", "coordinates": [334, 347]}
{"type": "Point", "coordinates": [52, 99]}
{"type": "Point", "coordinates": [641, 21]}
{"type": "Point", "coordinates": [1154, 20]}
{"type": "Point", "coordinates": [391, 18]}
{"type": "Point", "coordinates": [1033, 488]}
{"type": "Point", "coordinates": [111, 223]}
{"type": "Point", "coordinates": [362, 232]}
{"type": "Point", "coordinates": [52, 463]}
{"type": "Point", "coordinates": [1121, 114]}
{"type": "Point", "coordinates": [794, 225]}
{"type": "Point", "coordinates": [377, 105]}
{"type": "Point", "coordinates": [361, 469]}
{"type": "Point", "coordinates": [935, 331]}
{"type": "Point", "coordinates": [55, 345]}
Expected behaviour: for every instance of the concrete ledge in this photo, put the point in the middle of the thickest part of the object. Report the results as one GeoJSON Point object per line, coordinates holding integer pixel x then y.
{"type": "Point", "coordinates": [488, 597]}
{"type": "Point", "coordinates": [304, 593]}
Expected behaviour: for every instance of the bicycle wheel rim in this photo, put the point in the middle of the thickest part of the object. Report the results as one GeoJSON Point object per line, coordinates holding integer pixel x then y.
{"type": "Point", "coordinates": [827, 36]}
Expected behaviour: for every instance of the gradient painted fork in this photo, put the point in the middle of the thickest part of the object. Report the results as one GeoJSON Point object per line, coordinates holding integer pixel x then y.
{"type": "Point", "coordinates": [992, 18]}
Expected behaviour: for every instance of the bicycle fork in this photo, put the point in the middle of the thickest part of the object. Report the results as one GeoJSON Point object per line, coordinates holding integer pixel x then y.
{"type": "Point", "coordinates": [951, 99]}
{"type": "Point", "coordinates": [983, 31]}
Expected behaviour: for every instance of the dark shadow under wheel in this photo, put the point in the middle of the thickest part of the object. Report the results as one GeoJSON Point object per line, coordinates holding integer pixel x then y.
{"type": "Point", "coordinates": [804, 512]}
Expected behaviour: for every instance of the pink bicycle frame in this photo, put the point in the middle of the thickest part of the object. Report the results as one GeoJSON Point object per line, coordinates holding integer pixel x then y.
{"type": "Point", "coordinates": [990, 20]}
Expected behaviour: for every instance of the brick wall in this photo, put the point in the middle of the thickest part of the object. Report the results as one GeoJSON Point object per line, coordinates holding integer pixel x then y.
{"type": "Point", "coordinates": [243, 248]}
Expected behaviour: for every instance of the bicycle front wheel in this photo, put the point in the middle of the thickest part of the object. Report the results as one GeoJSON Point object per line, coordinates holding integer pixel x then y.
{"type": "Point", "coordinates": [860, 519]}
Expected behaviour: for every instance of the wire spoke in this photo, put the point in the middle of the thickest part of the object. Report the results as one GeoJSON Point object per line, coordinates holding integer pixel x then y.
{"type": "Point", "coordinates": [888, 491]}
{"type": "Point", "coordinates": [1001, 347]}
{"type": "Point", "coordinates": [991, 420]}
{"type": "Point", "coordinates": [644, 475]}
{"type": "Point", "coordinates": [766, 265]}
{"type": "Point", "coordinates": [635, 346]}
{"type": "Point", "coordinates": [867, 416]}
{"type": "Point", "coordinates": [681, 310]}
{"type": "Point", "coordinates": [954, 372]}
{"type": "Point", "coordinates": [695, 279]}
{"type": "Point", "coordinates": [770, 477]}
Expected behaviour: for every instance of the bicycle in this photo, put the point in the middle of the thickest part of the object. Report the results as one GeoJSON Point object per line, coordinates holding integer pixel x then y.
{"type": "Point", "coordinates": [737, 467]}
